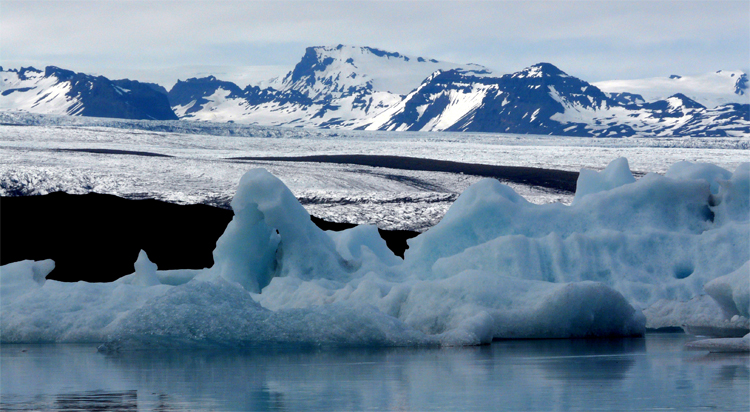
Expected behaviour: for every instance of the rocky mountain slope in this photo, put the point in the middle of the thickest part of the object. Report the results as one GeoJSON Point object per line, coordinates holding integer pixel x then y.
{"type": "Point", "coordinates": [370, 89]}
{"type": "Point", "coordinates": [59, 91]}
{"type": "Point", "coordinates": [542, 99]}
{"type": "Point", "coordinates": [339, 86]}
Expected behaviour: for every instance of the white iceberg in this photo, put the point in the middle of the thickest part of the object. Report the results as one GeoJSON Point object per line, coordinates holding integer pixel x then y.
{"type": "Point", "coordinates": [496, 266]}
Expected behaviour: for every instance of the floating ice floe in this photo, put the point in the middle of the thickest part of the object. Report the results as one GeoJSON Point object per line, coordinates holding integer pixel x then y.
{"type": "Point", "coordinates": [496, 266]}
{"type": "Point", "coordinates": [721, 345]}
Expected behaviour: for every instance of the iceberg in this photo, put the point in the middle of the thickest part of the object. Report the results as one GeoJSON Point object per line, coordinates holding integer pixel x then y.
{"type": "Point", "coordinates": [732, 292]}
{"type": "Point", "coordinates": [496, 267]}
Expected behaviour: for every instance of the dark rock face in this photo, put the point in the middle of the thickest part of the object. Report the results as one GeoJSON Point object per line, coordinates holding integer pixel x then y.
{"type": "Point", "coordinates": [741, 85]}
{"type": "Point", "coordinates": [25, 70]}
{"type": "Point", "coordinates": [123, 99]}
{"type": "Point", "coordinates": [19, 90]}
{"type": "Point", "coordinates": [321, 91]}
{"type": "Point", "coordinates": [626, 99]}
{"type": "Point", "coordinates": [195, 89]}
{"type": "Point", "coordinates": [97, 238]}
{"type": "Point", "coordinates": [722, 118]}
{"type": "Point", "coordinates": [668, 108]}
{"type": "Point", "coordinates": [308, 65]}
{"type": "Point", "coordinates": [144, 102]}
{"type": "Point", "coordinates": [157, 87]}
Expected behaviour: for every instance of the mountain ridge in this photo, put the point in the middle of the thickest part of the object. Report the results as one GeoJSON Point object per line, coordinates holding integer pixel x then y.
{"type": "Point", "coordinates": [354, 87]}
{"type": "Point", "coordinates": [61, 91]}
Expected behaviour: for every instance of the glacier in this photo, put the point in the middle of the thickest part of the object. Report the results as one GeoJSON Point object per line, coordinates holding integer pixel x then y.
{"type": "Point", "coordinates": [495, 267]}
{"type": "Point", "coordinates": [45, 153]}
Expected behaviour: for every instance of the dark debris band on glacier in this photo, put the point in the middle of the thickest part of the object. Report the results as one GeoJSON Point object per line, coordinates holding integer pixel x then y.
{"type": "Point", "coordinates": [42, 154]}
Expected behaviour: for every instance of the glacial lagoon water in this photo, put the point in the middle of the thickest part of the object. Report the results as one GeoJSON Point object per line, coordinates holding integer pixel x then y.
{"type": "Point", "coordinates": [651, 373]}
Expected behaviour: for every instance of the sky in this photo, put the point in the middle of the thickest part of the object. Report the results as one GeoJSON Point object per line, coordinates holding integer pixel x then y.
{"type": "Point", "coordinates": [248, 41]}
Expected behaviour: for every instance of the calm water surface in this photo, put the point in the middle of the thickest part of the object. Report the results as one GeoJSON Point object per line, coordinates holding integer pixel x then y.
{"type": "Point", "coordinates": [652, 373]}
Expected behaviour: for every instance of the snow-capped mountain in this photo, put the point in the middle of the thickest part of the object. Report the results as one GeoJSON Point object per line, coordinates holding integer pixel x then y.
{"type": "Point", "coordinates": [341, 70]}
{"type": "Point", "coordinates": [353, 87]}
{"type": "Point", "coordinates": [364, 88]}
{"type": "Point", "coordinates": [339, 86]}
{"type": "Point", "coordinates": [711, 89]}
{"type": "Point", "coordinates": [521, 102]}
{"type": "Point", "coordinates": [542, 99]}
{"type": "Point", "coordinates": [59, 91]}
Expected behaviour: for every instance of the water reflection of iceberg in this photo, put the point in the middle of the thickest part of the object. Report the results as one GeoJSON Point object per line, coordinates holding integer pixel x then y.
{"type": "Point", "coordinates": [515, 375]}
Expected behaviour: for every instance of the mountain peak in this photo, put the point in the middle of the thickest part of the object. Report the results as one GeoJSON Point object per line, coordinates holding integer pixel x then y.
{"type": "Point", "coordinates": [540, 70]}
{"type": "Point", "coordinates": [347, 70]}
{"type": "Point", "coordinates": [61, 74]}
{"type": "Point", "coordinates": [343, 49]}
{"type": "Point", "coordinates": [207, 79]}
{"type": "Point", "coordinates": [24, 71]}
{"type": "Point", "coordinates": [680, 100]}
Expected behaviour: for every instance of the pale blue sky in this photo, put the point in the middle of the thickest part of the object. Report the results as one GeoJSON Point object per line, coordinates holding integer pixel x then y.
{"type": "Point", "coordinates": [594, 40]}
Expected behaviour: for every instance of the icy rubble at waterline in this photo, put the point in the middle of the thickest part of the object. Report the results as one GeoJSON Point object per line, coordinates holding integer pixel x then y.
{"type": "Point", "coordinates": [496, 266]}
{"type": "Point", "coordinates": [721, 345]}
{"type": "Point", "coordinates": [722, 311]}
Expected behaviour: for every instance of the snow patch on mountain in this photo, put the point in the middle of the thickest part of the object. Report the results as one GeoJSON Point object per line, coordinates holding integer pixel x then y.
{"type": "Point", "coordinates": [338, 69]}
{"type": "Point", "coordinates": [30, 90]}
{"type": "Point", "coordinates": [542, 99]}
{"type": "Point", "coordinates": [350, 87]}
{"type": "Point", "coordinates": [63, 92]}
{"type": "Point", "coordinates": [336, 86]}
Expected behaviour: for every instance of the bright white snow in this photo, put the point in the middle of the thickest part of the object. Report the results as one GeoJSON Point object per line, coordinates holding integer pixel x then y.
{"type": "Point", "coordinates": [710, 89]}
{"type": "Point", "coordinates": [36, 93]}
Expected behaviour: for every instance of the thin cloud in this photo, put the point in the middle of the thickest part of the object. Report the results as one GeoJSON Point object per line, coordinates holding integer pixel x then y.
{"type": "Point", "coordinates": [595, 38]}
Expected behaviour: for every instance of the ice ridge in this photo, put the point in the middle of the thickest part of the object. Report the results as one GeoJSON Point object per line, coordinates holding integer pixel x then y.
{"type": "Point", "coordinates": [496, 266]}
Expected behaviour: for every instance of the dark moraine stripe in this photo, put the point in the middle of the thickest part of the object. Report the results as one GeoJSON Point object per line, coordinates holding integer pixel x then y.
{"type": "Point", "coordinates": [561, 180]}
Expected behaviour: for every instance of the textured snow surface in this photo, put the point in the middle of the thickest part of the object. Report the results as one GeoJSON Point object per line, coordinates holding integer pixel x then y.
{"type": "Point", "coordinates": [496, 266]}
{"type": "Point", "coordinates": [199, 171]}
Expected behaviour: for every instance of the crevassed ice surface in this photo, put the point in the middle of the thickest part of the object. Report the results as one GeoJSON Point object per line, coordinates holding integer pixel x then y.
{"type": "Point", "coordinates": [496, 266]}
{"type": "Point", "coordinates": [44, 154]}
